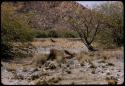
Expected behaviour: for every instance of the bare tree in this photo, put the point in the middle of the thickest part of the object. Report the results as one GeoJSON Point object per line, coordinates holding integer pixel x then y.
{"type": "Point", "coordinates": [88, 23]}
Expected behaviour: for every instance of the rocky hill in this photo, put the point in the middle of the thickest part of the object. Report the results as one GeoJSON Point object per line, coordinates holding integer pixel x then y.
{"type": "Point", "coordinates": [48, 14]}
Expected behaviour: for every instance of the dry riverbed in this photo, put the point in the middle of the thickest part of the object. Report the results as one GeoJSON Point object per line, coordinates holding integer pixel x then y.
{"type": "Point", "coordinates": [100, 70]}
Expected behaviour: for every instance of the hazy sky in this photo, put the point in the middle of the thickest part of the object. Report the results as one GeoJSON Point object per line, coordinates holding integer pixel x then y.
{"type": "Point", "coordinates": [89, 4]}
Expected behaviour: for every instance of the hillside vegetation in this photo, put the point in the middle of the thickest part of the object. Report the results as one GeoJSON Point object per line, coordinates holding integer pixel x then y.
{"type": "Point", "coordinates": [45, 19]}
{"type": "Point", "coordinates": [61, 42]}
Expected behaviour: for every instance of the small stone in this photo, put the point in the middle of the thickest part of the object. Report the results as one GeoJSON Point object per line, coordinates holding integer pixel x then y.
{"type": "Point", "coordinates": [110, 64]}
{"type": "Point", "coordinates": [68, 71]}
{"type": "Point", "coordinates": [108, 73]}
{"type": "Point", "coordinates": [82, 64]}
{"type": "Point", "coordinates": [67, 65]}
{"type": "Point", "coordinates": [93, 72]}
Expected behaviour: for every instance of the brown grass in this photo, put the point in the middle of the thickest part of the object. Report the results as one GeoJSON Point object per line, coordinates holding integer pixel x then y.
{"type": "Point", "coordinates": [10, 66]}
{"type": "Point", "coordinates": [50, 81]}
{"type": "Point", "coordinates": [58, 55]}
{"type": "Point", "coordinates": [105, 54]}
{"type": "Point", "coordinates": [111, 81]}
{"type": "Point", "coordinates": [59, 42]}
{"type": "Point", "coordinates": [85, 56]}
{"type": "Point", "coordinates": [111, 54]}
{"type": "Point", "coordinates": [39, 59]}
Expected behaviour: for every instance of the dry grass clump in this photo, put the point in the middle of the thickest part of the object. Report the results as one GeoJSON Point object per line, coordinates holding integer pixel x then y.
{"type": "Point", "coordinates": [105, 55]}
{"type": "Point", "coordinates": [85, 56]}
{"type": "Point", "coordinates": [59, 42]}
{"type": "Point", "coordinates": [50, 81]}
{"type": "Point", "coordinates": [10, 67]}
{"type": "Point", "coordinates": [39, 59]}
{"type": "Point", "coordinates": [112, 81]}
{"type": "Point", "coordinates": [111, 54]}
{"type": "Point", "coordinates": [22, 50]}
{"type": "Point", "coordinates": [51, 65]}
{"type": "Point", "coordinates": [58, 55]}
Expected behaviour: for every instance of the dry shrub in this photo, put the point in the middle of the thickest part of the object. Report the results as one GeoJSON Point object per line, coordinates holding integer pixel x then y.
{"type": "Point", "coordinates": [50, 81]}
{"type": "Point", "coordinates": [57, 55]}
{"type": "Point", "coordinates": [10, 67]}
{"type": "Point", "coordinates": [22, 50]}
{"type": "Point", "coordinates": [111, 54]}
{"type": "Point", "coordinates": [39, 59]}
{"type": "Point", "coordinates": [85, 56]}
{"type": "Point", "coordinates": [111, 81]}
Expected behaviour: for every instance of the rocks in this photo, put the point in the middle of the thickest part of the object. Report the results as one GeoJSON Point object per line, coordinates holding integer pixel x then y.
{"type": "Point", "coordinates": [82, 64]}
{"type": "Point", "coordinates": [47, 81]}
{"type": "Point", "coordinates": [112, 80]}
{"type": "Point", "coordinates": [93, 72]}
{"type": "Point", "coordinates": [51, 65]}
{"type": "Point", "coordinates": [30, 74]}
{"type": "Point", "coordinates": [110, 64]}
{"type": "Point", "coordinates": [72, 70]}
{"type": "Point", "coordinates": [35, 75]}
{"type": "Point", "coordinates": [68, 71]}
{"type": "Point", "coordinates": [92, 65]}
{"type": "Point", "coordinates": [23, 49]}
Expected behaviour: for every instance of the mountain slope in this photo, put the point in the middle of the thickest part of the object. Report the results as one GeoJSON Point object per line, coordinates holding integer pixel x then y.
{"type": "Point", "coordinates": [48, 14]}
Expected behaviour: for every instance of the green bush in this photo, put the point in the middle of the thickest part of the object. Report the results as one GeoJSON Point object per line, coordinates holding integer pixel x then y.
{"type": "Point", "coordinates": [68, 34]}
{"type": "Point", "coordinates": [14, 28]}
{"type": "Point", "coordinates": [105, 40]}
{"type": "Point", "coordinates": [53, 33]}
{"type": "Point", "coordinates": [41, 34]}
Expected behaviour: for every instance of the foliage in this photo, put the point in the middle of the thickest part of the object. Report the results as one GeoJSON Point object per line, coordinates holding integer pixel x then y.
{"type": "Point", "coordinates": [53, 33]}
{"type": "Point", "coordinates": [41, 34]}
{"type": "Point", "coordinates": [114, 11]}
{"type": "Point", "coordinates": [14, 28]}
{"type": "Point", "coordinates": [56, 34]}
{"type": "Point", "coordinates": [87, 25]}
{"type": "Point", "coordinates": [69, 34]}
{"type": "Point", "coordinates": [104, 40]}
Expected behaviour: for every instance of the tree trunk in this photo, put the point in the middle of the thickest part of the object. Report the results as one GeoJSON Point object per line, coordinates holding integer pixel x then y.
{"type": "Point", "coordinates": [90, 47]}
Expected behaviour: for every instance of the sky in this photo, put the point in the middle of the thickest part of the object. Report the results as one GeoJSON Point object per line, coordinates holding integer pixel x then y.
{"type": "Point", "coordinates": [89, 4]}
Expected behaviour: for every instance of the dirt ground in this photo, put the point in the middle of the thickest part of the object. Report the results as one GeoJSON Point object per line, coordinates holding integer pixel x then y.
{"type": "Point", "coordinates": [106, 68]}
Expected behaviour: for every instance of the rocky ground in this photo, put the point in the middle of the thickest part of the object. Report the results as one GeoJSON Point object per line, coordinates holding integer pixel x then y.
{"type": "Point", "coordinates": [96, 71]}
